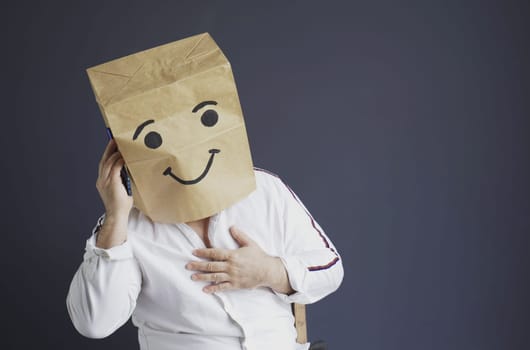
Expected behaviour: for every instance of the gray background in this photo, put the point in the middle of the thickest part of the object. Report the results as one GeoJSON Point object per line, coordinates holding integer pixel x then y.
{"type": "Point", "coordinates": [402, 125]}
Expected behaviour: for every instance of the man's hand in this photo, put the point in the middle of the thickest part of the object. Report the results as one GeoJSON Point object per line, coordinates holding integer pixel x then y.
{"type": "Point", "coordinates": [243, 268]}
{"type": "Point", "coordinates": [109, 185]}
{"type": "Point", "coordinates": [114, 196]}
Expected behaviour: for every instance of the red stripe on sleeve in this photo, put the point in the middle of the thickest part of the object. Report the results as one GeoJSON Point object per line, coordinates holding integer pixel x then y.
{"type": "Point", "coordinates": [313, 223]}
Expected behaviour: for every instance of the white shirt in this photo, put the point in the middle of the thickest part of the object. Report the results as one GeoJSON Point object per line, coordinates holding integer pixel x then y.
{"type": "Point", "coordinates": [146, 277]}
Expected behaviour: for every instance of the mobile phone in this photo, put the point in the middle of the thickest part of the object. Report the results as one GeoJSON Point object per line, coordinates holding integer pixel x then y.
{"type": "Point", "coordinates": [125, 179]}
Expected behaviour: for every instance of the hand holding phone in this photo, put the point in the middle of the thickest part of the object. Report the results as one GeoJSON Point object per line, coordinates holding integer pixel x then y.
{"type": "Point", "coordinates": [125, 179]}
{"type": "Point", "coordinates": [117, 202]}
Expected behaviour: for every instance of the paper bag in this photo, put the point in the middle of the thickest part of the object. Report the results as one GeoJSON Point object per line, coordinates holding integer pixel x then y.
{"type": "Point", "coordinates": [175, 114]}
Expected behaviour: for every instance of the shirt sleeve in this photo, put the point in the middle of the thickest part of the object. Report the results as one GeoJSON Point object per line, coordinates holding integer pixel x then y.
{"type": "Point", "coordinates": [103, 292]}
{"type": "Point", "coordinates": [313, 265]}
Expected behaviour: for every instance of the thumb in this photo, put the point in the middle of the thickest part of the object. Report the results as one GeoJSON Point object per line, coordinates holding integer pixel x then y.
{"type": "Point", "coordinates": [240, 237]}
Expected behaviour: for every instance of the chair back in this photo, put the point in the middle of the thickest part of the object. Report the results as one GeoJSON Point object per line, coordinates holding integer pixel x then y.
{"type": "Point", "coordinates": [300, 323]}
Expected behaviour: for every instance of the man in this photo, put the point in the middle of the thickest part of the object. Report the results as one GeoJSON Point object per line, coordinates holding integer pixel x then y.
{"type": "Point", "coordinates": [221, 280]}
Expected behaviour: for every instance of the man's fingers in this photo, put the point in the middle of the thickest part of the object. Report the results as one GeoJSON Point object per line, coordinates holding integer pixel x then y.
{"type": "Point", "coordinates": [207, 266]}
{"type": "Point", "coordinates": [212, 254]}
{"type": "Point", "coordinates": [213, 288]}
{"type": "Point", "coordinates": [211, 277]}
{"type": "Point", "coordinates": [116, 169]}
{"type": "Point", "coordinates": [107, 167]}
{"type": "Point", "coordinates": [240, 237]}
{"type": "Point", "coordinates": [111, 148]}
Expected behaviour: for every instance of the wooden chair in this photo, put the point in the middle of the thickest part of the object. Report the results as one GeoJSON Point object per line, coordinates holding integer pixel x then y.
{"type": "Point", "coordinates": [301, 328]}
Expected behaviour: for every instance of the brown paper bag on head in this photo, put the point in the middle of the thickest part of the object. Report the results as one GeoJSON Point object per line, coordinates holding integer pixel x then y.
{"type": "Point", "coordinates": [175, 115]}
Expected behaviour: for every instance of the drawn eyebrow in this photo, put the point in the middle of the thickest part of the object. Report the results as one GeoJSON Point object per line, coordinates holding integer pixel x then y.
{"type": "Point", "coordinates": [202, 104]}
{"type": "Point", "coordinates": [140, 128]}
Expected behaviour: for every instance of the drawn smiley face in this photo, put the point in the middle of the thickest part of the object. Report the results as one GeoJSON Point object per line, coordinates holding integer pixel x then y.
{"type": "Point", "coordinates": [153, 140]}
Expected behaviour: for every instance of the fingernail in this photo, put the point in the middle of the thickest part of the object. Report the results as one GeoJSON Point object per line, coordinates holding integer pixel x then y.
{"type": "Point", "coordinates": [193, 277]}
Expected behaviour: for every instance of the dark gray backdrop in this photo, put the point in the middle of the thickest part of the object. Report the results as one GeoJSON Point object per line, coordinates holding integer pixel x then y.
{"type": "Point", "coordinates": [402, 125]}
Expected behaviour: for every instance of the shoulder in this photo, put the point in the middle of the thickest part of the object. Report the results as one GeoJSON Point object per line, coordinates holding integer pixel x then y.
{"type": "Point", "coordinates": [267, 180]}
{"type": "Point", "coordinates": [271, 183]}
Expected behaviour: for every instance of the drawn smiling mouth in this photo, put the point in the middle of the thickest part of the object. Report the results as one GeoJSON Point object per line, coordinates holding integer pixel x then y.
{"type": "Point", "coordinates": [212, 152]}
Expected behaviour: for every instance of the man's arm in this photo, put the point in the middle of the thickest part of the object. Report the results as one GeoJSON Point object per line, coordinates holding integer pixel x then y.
{"type": "Point", "coordinates": [103, 291]}
{"type": "Point", "coordinates": [313, 264]}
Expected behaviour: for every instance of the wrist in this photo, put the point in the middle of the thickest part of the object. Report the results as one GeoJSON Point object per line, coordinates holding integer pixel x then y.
{"type": "Point", "coordinates": [276, 276]}
{"type": "Point", "coordinates": [113, 232]}
{"type": "Point", "coordinates": [116, 218]}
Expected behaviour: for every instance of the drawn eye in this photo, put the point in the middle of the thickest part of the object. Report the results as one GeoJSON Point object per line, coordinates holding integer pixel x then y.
{"type": "Point", "coordinates": [153, 139]}
{"type": "Point", "coordinates": [209, 118]}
